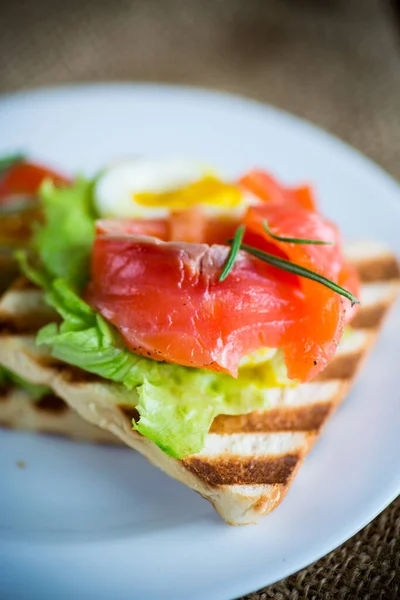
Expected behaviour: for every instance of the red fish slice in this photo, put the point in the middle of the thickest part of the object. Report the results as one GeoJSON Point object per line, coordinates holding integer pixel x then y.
{"type": "Point", "coordinates": [166, 299]}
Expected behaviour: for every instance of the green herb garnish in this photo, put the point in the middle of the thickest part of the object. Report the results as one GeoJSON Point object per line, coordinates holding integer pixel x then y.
{"type": "Point", "coordinates": [236, 243]}
{"type": "Point", "coordinates": [290, 267]}
{"type": "Point", "coordinates": [280, 263]}
{"type": "Point", "coordinates": [9, 160]}
{"type": "Point", "coordinates": [291, 240]}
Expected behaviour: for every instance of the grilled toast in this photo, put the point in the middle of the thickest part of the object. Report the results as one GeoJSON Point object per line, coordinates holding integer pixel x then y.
{"type": "Point", "coordinates": [22, 309]}
{"type": "Point", "coordinates": [50, 414]}
{"type": "Point", "coordinates": [248, 461]}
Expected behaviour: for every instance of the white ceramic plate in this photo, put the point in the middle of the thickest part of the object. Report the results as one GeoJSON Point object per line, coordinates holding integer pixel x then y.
{"type": "Point", "coordinates": [84, 522]}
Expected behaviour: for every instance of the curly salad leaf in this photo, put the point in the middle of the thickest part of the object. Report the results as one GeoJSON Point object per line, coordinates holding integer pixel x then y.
{"type": "Point", "coordinates": [64, 239]}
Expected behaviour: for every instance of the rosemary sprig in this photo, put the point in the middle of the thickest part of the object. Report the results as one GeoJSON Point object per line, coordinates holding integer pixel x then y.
{"type": "Point", "coordinates": [280, 263]}
{"type": "Point", "coordinates": [236, 243]}
{"type": "Point", "coordinates": [7, 161]}
{"type": "Point", "coordinates": [291, 240]}
{"type": "Point", "coordinates": [290, 267]}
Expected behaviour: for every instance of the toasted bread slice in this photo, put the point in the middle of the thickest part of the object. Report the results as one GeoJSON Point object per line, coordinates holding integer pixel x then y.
{"type": "Point", "coordinates": [50, 414]}
{"type": "Point", "coordinates": [22, 309]}
{"type": "Point", "coordinates": [248, 461]}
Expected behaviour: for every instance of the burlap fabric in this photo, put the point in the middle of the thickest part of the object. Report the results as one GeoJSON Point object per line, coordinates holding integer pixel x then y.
{"type": "Point", "coordinates": [335, 62]}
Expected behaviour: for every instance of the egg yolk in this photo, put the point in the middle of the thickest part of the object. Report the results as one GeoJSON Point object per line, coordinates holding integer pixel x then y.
{"type": "Point", "coordinates": [208, 190]}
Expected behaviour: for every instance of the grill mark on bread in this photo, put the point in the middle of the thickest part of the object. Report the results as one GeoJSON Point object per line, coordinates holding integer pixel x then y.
{"type": "Point", "coordinates": [238, 470]}
{"type": "Point", "coordinates": [369, 317]}
{"type": "Point", "coordinates": [52, 416]}
{"type": "Point", "coordinates": [51, 403]}
{"type": "Point", "coordinates": [341, 367]}
{"type": "Point", "coordinates": [287, 418]}
{"type": "Point", "coordinates": [384, 268]}
{"type": "Point", "coordinates": [130, 412]}
{"type": "Point", "coordinates": [79, 376]}
{"type": "Point", "coordinates": [68, 372]}
{"type": "Point", "coordinates": [21, 324]}
{"type": "Point", "coordinates": [23, 310]}
{"type": "Point", "coordinates": [5, 390]}
{"type": "Point", "coordinates": [23, 283]}
{"type": "Point", "coordinates": [25, 323]}
{"type": "Point", "coordinates": [48, 403]}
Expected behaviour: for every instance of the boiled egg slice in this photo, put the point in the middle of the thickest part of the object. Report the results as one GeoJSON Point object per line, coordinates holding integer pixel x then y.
{"type": "Point", "coordinates": [152, 189]}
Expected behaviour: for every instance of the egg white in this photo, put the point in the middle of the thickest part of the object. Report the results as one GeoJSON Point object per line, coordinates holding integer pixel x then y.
{"type": "Point", "coordinates": [117, 186]}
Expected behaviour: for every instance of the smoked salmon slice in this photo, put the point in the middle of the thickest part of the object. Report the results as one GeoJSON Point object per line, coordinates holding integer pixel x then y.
{"type": "Point", "coordinates": [166, 299]}
{"type": "Point", "coordinates": [167, 302]}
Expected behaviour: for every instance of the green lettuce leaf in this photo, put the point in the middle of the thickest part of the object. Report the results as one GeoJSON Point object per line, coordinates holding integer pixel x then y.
{"type": "Point", "coordinates": [34, 391]}
{"type": "Point", "coordinates": [63, 241]}
{"type": "Point", "coordinates": [177, 412]}
{"type": "Point", "coordinates": [86, 340]}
